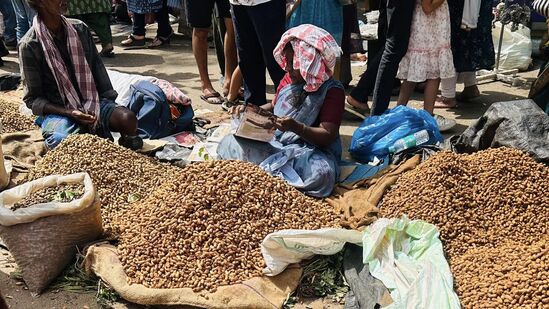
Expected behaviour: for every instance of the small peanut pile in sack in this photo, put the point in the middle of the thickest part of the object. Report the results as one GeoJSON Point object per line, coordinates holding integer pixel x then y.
{"type": "Point", "coordinates": [120, 175]}
{"type": "Point", "coordinates": [204, 228]}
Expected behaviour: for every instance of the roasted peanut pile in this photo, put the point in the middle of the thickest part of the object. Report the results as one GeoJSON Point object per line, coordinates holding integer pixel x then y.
{"type": "Point", "coordinates": [121, 176]}
{"type": "Point", "coordinates": [480, 202]}
{"type": "Point", "coordinates": [12, 120]}
{"type": "Point", "coordinates": [204, 228]}
{"type": "Point", "coordinates": [63, 193]}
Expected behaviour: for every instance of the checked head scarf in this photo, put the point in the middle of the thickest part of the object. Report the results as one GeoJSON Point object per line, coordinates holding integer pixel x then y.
{"type": "Point", "coordinates": [315, 54]}
{"type": "Point", "coordinates": [84, 76]}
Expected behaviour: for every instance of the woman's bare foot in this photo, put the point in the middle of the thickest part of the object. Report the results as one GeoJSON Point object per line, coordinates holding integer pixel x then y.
{"type": "Point", "coordinates": [442, 102]}
{"type": "Point", "coordinates": [468, 93]}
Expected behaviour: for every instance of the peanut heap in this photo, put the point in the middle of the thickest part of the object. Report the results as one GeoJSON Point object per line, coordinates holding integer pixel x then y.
{"type": "Point", "coordinates": [492, 210]}
{"type": "Point", "coordinates": [203, 229]}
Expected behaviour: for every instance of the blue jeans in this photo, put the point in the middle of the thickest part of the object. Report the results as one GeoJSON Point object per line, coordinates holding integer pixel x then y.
{"type": "Point", "coordinates": [55, 128]}
{"type": "Point", "coordinates": [24, 15]}
{"type": "Point", "coordinates": [9, 20]}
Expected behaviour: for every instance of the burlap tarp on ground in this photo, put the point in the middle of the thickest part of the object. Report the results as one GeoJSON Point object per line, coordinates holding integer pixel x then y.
{"type": "Point", "coordinates": [23, 149]}
{"type": "Point", "coordinates": [261, 292]}
{"type": "Point", "coordinates": [358, 204]}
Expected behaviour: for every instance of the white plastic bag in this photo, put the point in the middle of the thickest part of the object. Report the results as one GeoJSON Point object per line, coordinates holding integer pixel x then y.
{"type": "Point", "coordinates": [516, 48]}
{"type": "Point", "coordinates": [286, 247]}
{"type": "Point", "coordinates": [43, 238]}
{"type": "Point", "coordinates": [407, 256]}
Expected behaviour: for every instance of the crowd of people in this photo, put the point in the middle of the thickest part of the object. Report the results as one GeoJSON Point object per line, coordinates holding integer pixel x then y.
{"type": "Point", "coordinates": [422, 44]}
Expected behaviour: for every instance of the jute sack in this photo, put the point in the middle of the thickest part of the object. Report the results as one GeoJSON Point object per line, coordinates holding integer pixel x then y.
{"type": "Point", "coordinates": [259, 292]}
{"type": "Point", "coordinates": [43, 238]}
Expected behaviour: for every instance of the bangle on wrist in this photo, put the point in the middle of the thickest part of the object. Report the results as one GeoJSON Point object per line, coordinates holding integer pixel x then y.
{"type": "Point", "coordinates": [303, 126]}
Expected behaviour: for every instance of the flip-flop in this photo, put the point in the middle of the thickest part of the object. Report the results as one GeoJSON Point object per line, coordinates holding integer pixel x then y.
{"type": "Point", "coordinates": [206, 98]}
{"type": "Point", "coordinates": [359, 112]}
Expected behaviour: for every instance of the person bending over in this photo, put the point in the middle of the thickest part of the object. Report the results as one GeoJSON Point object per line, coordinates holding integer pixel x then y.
{"type": "Point", "coordinates": [308, 106]}
{"type": "Point", "coordinates": [66, 83]}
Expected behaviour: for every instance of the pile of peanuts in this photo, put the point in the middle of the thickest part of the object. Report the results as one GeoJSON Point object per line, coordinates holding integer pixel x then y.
{"type": "Point", "coordinates": [203, 229]}
{"type": "Point", "coordinates": [63, 194]}
{"type": "Point", "coordinates": [121, 176]}
{"type": "Point", "coordinates": [492, 210]}
{"type": "Point", "coordinates": [12, 120]}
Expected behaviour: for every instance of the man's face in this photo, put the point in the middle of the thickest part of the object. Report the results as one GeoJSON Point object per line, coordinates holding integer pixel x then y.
{"type": "Point", "coordinates": [53, 7]}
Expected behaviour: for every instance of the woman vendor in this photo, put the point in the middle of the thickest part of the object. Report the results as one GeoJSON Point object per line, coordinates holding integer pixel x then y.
{"type": "Point", "coordinates": [308, 109]}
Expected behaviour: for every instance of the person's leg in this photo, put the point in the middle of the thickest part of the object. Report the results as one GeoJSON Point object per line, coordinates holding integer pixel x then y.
{"type": "Point", "coordinates": [250, 56]}
{"type": "Point", "coordinates": [23, 20]}
{"type": "Point", "coordinates": [223, 15]}
{"type": "Point", "coordinates": [100, 23]}
{"type": "Point", "coordinates": [119, 119]}
{"type": "Point", "coordinates": [365, 86]}
{"type": "Point", "coordinates": [137, 38]}
{"type": "Point", "coordinates": [10, 23]}
{"type": "Point", "coordinates": [199, 17]}
{"type": "Point", "coordinates": [55, 128]}
{"type": "Point", "coordinates": [164, 30]}
{"type": "Point", "coordinates": [430, 94]}
{"type": "Point", "coordinates": [236, 84]}
{"type": "Point", "coordinates": [406, 90]}
{"type": "Point", "coordinates": [269, 20]}
{"type": "Point", "coordinates": [470, 90]}
{"type": "Point", "coordinates": [448, 93]}
{"type": "Point", "coordinates": [231, 59]}
{"type": "Point", "coordinates": [399, 21]}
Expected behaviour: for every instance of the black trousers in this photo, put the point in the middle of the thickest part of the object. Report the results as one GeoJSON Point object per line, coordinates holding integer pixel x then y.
{"type": "Point", "coordinates": [258, 29]}
{"type": "Point", "coordinates": [162, 19]}
{"type": "Point", "coordinates": [394, 33]}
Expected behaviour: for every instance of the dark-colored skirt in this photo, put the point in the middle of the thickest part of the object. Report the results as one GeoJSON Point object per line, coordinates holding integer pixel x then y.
{"type": "Point", "coordinates": [472, 50]}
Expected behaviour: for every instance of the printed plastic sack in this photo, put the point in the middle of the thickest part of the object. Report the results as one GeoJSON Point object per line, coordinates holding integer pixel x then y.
{"type": "Point", "coordinates": [377, 133]}
{"type": "Point", "coordinates": [407, 256]}
{"type": "Point", "coordinates": [43, 238]}
{"type": "Point", "coordinates": [516, 47]}
{"type": "Point", "coordinates": [286, 247]}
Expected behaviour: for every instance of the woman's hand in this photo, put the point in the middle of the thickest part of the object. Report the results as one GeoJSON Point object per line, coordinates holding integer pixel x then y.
{"type": "Point", "coordinates": [285, 124]}
{"type": "Point", "coordinates": [82, 118]}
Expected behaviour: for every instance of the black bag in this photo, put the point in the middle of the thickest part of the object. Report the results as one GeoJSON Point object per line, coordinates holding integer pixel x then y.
{"type": "Point", "coordinates": [518, 124]}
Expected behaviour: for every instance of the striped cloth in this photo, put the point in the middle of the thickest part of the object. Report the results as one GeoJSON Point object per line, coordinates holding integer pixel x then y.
{"type": "Point", "coordinates": [144, 6]}
{"type": "Point", "coordinates": [315, 54]}
{"type": "Point", "coordinates": [542, 7]}
{"type": "Point", "coordinates": [84, 76]}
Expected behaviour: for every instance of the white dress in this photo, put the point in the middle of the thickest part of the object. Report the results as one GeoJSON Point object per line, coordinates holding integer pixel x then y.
{"type": "Point", "coordinates": [429, 54]}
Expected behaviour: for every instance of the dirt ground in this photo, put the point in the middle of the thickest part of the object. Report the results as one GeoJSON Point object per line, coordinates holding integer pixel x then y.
{"type": "Point", "coordinates": [176, 64]}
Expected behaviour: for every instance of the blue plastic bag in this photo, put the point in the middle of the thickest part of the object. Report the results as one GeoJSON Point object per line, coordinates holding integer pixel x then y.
{"type": "Point", "coordinates": [376, 133]}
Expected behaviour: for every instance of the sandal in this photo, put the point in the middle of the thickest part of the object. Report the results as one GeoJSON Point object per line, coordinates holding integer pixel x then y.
{"type": "Point", "coordinates": [131, 41]}
{"type": "Point", "coordinates": [107, 53]}
{"type": "Point", "coordinates": [160, 41]}
{"type": "Point", "coordinates": [227, 104]}
{"type": "Point", "coordinates": [212, 98]}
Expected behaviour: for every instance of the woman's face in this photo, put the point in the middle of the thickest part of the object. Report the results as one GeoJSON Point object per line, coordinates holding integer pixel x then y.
{"type": "Point", "coordinates": [295, 75]}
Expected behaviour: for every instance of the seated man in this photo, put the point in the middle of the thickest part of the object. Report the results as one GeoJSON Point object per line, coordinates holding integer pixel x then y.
{"type": "Point", "coordinates": [66, 83]}
{"type": "Point", "coordinates": [309, 107]}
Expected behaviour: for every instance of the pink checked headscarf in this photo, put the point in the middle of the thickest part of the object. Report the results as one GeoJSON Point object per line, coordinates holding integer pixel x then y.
{"type": "Point", "coordinates": [315, 54]}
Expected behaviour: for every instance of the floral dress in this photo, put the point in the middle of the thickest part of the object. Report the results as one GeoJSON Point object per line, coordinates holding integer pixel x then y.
{"type": "Point", "coordinates": [429, 54]}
